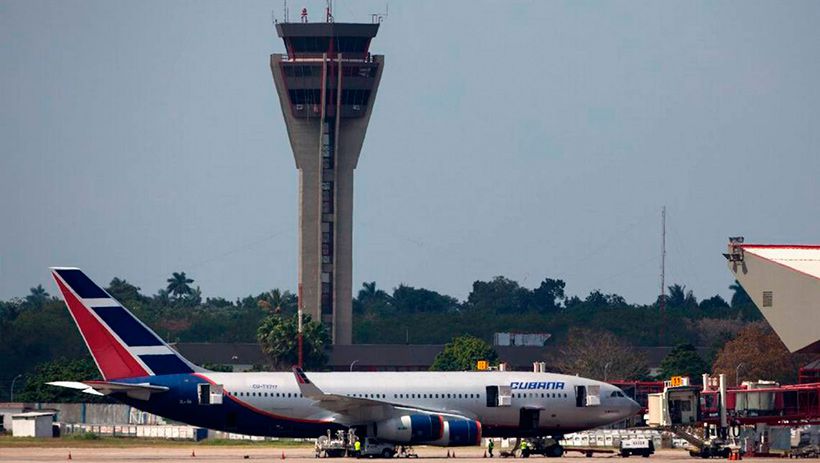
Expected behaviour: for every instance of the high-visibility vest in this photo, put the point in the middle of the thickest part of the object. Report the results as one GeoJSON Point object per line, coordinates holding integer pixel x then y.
{"type": "Point", "coordinates": [357, 446]}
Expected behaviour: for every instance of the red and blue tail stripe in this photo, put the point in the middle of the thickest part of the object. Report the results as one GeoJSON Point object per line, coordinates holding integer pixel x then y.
{"type": "Point", "coordinates": [122, 346]}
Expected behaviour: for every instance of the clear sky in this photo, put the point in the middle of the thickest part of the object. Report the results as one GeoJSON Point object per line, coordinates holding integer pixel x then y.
{"type": "Point", "coordinates": [526, 139]}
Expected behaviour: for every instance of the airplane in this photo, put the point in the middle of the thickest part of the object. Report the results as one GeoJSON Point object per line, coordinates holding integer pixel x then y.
{"type": "Point", "coordinates": [433, 408]}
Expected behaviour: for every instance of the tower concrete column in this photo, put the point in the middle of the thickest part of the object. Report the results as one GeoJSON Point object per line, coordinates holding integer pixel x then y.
{"type": "Point", "coordinates": [326, 86]}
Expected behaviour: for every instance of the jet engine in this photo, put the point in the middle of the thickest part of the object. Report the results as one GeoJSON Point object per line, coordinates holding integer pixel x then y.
{"type": "Point", "coordinates": [429, 429]}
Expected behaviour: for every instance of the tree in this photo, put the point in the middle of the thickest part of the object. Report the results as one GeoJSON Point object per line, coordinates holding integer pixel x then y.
{"type": "Point", "coordinates": [600, 355]}
{"type": "Point", "coordinates": [714, 303]}
{"type": "Point", "coordinates": [740, 297]}
{"type": "Point", "coordinates": [277, 335]}
{"type": "Point", "coordinates": [123, 291]}
{"type": "Point", "coordinates": [683, 361]}
{"type": "Point", "coordinates": [36, 389]}
{"type": "Point", "coordinates": [179, 285]}
{"type": "Point", "coordinates": [462, 354]}
{"type": "Point", "coordinates": [37, 297]}
{"type": "Point", "coordinates": [757, 353]}
{"type": "Point", "coordinates": [500, 295]}
{"type": "Point", "coordinates": [371, 299]}
{"type": "Point", "coordinates": [679, 297]}
{"type": "Point", "coordinates": [407, 299]}
{"type": "Point", "coordinates": [549, 294]}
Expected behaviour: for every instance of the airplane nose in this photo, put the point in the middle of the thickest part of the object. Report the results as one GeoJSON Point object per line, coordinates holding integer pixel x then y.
{"type": "Point", "coordinates": [634, 407]}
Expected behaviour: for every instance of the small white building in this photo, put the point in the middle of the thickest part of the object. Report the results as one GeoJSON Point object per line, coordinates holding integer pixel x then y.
{"type": "Point", "coordinates": [32, 424]}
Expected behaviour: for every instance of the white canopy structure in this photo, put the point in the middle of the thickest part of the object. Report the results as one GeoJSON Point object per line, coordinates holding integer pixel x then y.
{"type": "Point", "coordinates": [784, 283]}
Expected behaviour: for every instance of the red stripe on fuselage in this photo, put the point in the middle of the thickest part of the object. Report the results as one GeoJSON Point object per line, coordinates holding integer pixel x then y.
{"type": "Point", "coordinates": [114, 361]}
{"type": "Point", "coordinates": [259, 410]}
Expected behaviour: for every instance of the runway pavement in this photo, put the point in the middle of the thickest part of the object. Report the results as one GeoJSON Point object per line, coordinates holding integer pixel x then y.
{"type": "Point", "coordinates": [214, 454]}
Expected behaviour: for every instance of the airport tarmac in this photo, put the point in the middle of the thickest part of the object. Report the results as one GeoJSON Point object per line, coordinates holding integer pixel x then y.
{"type": "Point", "coordinates": [214, 454]}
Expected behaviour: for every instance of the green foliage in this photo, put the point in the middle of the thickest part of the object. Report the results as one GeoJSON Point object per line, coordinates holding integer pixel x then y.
{"type": "Point", "coordinates": [179, 285]}
{"type": "Point", "coordinates": [462, 353]}
{"type": "Point", "coordinates": [500, 294]}
{"type": "Point", "coordinates": [683, 361]}
{"type": "Point", "coordinates": [218, 367]}
{"type": "Point", "coordinates": [739, 297]}
{"type": "Point", "coordinates": [277, 336]}
{"type": "Point", "coordinates": [36, 389]}
{"type": "Point", "coordinates": [407, 299]}
{"type": "Point", "coordinates": [36, 328]}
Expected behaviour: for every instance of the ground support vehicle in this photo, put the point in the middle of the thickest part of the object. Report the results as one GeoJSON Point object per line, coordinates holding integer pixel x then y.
{"type": "Point", "coordinates": [337, 446]}
{"type": "Point", "coordinates": [546, 446]}
{"type": "Point", "coordinates": [374, 448]}
{"type": "Point", "coordinates": [637, 446]}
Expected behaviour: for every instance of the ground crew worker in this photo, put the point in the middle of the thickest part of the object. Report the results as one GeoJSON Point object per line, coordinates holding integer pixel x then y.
{"type": "Point", "coordinates": [357, 448]}
{"type": "Point", "coordinates": [490, 447]}
{"type": "Point", "coordinates": [523, 447]}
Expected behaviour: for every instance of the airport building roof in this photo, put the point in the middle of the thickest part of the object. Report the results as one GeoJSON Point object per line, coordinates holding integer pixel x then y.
{"type": "Point", "coordinates": [387, 357]}
{"type": "Point", "coordinates": [802, 258]}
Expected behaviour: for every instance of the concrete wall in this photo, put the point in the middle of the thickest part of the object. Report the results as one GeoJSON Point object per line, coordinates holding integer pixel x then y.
{"type": "Point", "coordinates": [79, 413]}
{"type": "Point", "coordinates": [304, 135]}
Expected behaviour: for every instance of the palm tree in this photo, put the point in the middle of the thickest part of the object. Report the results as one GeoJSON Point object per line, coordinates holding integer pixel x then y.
{"type": "Point", "coordinates": [276, 301]}
{"type": "Point", "coordinates": [740, 297]}
{"type": "Point", "coordinates": [369, 292]}
{"type": "Point", "coordinates": [677, 295]}
{"type": "Point", "coordinates": [178, 285]}
{"type": "Point", "coordinates": [37, 297]}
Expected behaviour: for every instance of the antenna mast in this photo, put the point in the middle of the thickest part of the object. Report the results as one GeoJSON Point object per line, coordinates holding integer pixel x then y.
{"type": "Point", "coordinates": [663, 260]}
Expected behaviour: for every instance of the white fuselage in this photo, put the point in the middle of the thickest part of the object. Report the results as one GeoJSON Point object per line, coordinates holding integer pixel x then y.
{"type": "Point", "coordinates": [555, 396]}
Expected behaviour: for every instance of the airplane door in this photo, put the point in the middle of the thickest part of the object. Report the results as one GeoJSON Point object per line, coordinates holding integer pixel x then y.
{"type": "Point", "coordinates": [492, 396]}
{"type": "Point", "coordinates": [499, 396]}
{"type": "Point", "coordinates": [528, 419]}
{"type": "Point", "coordinates": [580, 396]}
{"type": "Point", "coordinates": [204, 393]}
{"type": "Point", "coordinates": [208, 394]}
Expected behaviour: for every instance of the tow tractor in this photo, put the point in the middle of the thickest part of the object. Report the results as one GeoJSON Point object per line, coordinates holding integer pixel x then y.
{"type": "Point", "coordinates": [342, 444]}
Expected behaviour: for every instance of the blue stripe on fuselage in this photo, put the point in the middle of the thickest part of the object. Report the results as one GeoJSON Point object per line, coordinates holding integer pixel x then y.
{"type": "Point", "coordinates": [180, 403]}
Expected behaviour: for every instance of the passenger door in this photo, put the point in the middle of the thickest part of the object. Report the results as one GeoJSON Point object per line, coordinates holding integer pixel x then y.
{"type": "Point", "coordinates": [499, 396]}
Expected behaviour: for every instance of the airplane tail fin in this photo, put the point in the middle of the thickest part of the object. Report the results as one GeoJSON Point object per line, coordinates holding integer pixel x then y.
{"type": "Point", "coordinates": [122, 346]}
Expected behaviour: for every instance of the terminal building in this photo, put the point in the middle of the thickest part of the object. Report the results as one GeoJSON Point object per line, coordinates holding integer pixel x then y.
{"type": "Point", "coordinates": [326, 84]}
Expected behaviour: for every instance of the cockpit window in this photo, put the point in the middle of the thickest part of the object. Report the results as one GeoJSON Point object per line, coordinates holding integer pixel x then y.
{"type": "Point", "coordinates": [617, 394]}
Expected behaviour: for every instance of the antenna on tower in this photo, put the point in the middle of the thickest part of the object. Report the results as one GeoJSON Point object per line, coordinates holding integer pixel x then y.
{"type": "Point", "coordinates": [329, 11]}
{"type": "Point", "coordinates": [285, 8]}
{"type": "Point", "coordinates": [377, 18]}
{"type": "Point", "coordinates": [662, 300]}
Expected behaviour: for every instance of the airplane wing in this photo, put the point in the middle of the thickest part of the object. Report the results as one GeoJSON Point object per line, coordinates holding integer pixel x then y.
{"type": "Point", "coordinates": [356, 410]}
{"type": "Point", "coordinates": [141, 391]}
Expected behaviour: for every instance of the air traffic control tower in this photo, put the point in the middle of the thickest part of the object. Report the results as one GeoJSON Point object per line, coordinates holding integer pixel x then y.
{"type": "Point", "coordinates": [327, 84]}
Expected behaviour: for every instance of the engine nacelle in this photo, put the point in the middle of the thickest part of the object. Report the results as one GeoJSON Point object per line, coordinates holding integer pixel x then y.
{"type": "Point", "coordinates": [430, 429]}
{"type": "Point", "coordinates": [411, 429]}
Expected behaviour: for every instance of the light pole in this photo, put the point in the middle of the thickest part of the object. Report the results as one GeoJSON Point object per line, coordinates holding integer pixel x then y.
{"type": "Point", "coordinates": [12, 386]}
{"type": "Point", "coordinates": [737, 373]}
{"type": "Point", "coordinates": [606, 367]}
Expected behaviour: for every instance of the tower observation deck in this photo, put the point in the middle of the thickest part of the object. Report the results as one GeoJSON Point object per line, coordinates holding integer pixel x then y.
{"type": "Point", "coordinates": [326, 83]}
